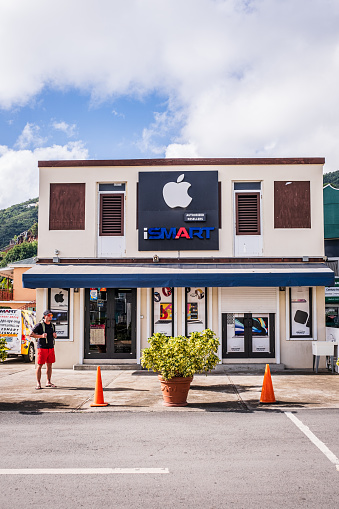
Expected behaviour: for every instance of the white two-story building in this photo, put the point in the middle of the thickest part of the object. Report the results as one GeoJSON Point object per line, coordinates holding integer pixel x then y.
{"type": "Point", "coordinates": [128, 248]}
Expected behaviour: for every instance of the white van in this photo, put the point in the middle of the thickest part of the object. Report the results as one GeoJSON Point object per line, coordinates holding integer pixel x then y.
{"type": "Point", "coordinates": [16, 326]}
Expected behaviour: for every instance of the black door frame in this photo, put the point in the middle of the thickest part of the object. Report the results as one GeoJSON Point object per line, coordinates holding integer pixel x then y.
{"type": "Point", "coordinates": [248, 354]}
{"type": "Point", "coordinates": [111, 292]}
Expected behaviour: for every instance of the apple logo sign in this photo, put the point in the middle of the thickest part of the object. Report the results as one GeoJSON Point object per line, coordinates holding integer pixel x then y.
{"type": "Point", "coordinates": [59, 297]}
{"type": "Point", "coordinates": [176, 193]}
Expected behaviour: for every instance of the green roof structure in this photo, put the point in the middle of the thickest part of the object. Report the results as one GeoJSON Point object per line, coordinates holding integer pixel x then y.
{"type": "Point", "coordinates": [331, 212]}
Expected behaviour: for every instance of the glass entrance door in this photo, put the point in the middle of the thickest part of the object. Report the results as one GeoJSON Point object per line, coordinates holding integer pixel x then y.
{"type": "Point", "coordinates": [248, 335]}
{"type": "Point", "coordinates": [110, 331]}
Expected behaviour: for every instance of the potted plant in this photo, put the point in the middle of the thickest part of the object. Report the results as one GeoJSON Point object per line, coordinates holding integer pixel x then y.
{"type": "Point", "coordinates": [177, 359]}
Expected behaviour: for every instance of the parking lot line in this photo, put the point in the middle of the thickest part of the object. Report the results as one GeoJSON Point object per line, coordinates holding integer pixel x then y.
{"type": "Point", "coordinates": [81, 471]}
{"type": "Point", "coordinates": [315, 440]}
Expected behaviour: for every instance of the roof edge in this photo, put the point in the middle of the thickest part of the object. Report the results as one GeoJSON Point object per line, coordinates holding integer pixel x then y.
{"type": "Point", "coordinates": [331, 187]}
{"type": "Point", "coordinates": [183, 161]}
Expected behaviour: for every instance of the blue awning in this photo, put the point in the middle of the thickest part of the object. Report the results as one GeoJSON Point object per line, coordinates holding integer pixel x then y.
{"type": "Point", "coordinates": [177, 275]}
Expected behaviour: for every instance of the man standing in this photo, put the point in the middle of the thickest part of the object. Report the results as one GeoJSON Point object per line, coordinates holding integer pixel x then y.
{"type": "Point", "coordinates": [45, 334]}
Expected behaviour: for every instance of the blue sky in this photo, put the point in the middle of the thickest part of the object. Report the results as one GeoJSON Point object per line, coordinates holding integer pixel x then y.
{"type": "Point", "coordinates": [89, 79]}
{"type": "Point", "coordinates": [112, 129]}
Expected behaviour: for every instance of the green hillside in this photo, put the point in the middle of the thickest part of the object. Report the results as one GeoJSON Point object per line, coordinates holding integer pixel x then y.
{"type": "Point", "coordinates": [17, 219]}
{"type": "Point", "coordinates": [332, 178]}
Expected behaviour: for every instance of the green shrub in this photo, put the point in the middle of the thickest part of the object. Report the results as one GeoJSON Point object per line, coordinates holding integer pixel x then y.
{"type": "Point", "coordinates": [181, 356]}
{"type": "Point", "coordinates": [3, 349]}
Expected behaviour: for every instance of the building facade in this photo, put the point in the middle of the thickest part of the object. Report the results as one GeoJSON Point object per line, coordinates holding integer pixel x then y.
{"type": "Point", "coordinates": [132, 247]}
{"type": "Point", "coordinates": [15, 296]}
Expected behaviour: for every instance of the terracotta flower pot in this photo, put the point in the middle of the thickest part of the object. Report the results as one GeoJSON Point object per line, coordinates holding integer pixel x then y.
{"type": "Point", "coordinates": [175, 390]}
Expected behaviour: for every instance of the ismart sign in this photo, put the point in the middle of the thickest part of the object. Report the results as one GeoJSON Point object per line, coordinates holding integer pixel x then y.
{"type": "Point", "coordinates": [178, 210]}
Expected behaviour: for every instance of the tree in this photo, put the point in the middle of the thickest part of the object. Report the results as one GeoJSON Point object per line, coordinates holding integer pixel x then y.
{"type": "Point", "coordinates": [20, 252]}
{"type": "Point", "coordinates": [331, 178]}
{"type": "Point", "coordinates": [34, 230]}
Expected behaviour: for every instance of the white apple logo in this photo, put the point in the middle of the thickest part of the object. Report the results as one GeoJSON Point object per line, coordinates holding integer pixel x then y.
{"type": "Point", "coordinates": [176, 193]}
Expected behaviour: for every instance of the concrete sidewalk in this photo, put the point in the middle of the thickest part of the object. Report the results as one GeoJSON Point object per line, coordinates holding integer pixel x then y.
{"type": "Point", "coordinates": [139, 391]}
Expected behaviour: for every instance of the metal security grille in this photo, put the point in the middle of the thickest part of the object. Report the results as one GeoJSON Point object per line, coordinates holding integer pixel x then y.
{"type": "Point", "coordinates": [230, 318]}
{"type": "Point", "coordinates": [248, 300]}
{"type": "Point", "coordinates": [112, 214]}
{"type": "Point", "coordinates": [247, 213]}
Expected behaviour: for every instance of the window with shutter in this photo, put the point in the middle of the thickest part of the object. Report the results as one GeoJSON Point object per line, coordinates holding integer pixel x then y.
{"type": "Point", "coordinates": [112, 215]}
{"type": "Point", "coordinates": [247, 213]}
{"type": "Point", "coordinates": [67, 206]}
{"type": "Point", "coordinates": [292, 204]}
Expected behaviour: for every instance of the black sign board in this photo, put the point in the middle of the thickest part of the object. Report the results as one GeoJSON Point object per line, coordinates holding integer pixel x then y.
{"type": "Point", "coordinates": [178, 211]}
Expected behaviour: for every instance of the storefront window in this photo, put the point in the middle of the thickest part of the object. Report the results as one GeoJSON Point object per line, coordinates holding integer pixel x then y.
{"type": "Point", "coordinates": [196, 310]}
{"type": "Point", "coordinates": [163, 307]}
{"type": "Point", "coordinates": [58, 303]}
{"type": "Point", "coordinates": [248, 333]}
{"type": "Point", "coordinates": [332, 317]}
{"type": "Point", "coordinates": [300, 312]}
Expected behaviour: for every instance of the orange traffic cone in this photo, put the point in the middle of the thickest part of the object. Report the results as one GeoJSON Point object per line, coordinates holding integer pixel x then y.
{"type": "Point", "coordinates": [98, 395]}
{"type": "Point", "coordinates": [267, 392]}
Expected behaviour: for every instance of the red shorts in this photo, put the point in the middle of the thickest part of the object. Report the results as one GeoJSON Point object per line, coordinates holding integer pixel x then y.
{"type": "Point", "coordinates": [46, 355]}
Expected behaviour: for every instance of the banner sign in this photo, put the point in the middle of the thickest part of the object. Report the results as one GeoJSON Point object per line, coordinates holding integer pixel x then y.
{"type": "Point", "coordinates": [178, 211]}
{"type": "Point", "coordinates": [332, 292]}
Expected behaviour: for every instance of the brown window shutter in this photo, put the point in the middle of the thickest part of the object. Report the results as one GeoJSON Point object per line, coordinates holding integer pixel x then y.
{"type": "Point", "coordinates": [292, 204]}
{"type": "Point", "coordinates": [247, 213]}
{"type": "Point", "coordinates": [67, 206]}
{"type": "Point", "coordinates": [111, 215]}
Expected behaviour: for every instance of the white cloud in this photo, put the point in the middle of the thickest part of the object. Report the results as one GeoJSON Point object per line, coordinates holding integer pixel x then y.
{"type": "Point", "coordinates": [175, 150]}
{"type": "Point", "coordinates": [68, 129]}
{"type": "Point", "coordinates": [116, 114]}
{"type": "Point", "coordinates": [247, 78]}
{"type": "Point", "coordinates": [30, 137]}
{"type": "Point", "coordinates": [165, 124]}
{"type": "Point", "coordinates": [19, 169]}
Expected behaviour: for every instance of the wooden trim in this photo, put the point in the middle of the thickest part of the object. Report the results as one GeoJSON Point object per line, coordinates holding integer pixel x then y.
{"type": "Point", "coordinates": [182, 161]}
{"type": "Point", "coordinates": [182, 261]}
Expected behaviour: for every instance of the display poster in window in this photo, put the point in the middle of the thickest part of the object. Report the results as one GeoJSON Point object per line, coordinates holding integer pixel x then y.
{"type": "Point", "coordinates": [195, 309]}
{"type": "Point", "coordinates": [97, 335]}
{"type": "Point", "coordinates": [260, 334]}
{"type": "Point", "coordinates": [300, 312]}
{"type": "Point", "coordinates": [59, 305]}
{"type": "Point", "coordinates": [163, 310]}
{"type": "Point", "coordinates": [332, 316]}
{"type": "Point", "coordinates": [235, 334]}
{"type": "Point", "coordinates": [93, 294]}
{"type": "Point", "coordinates": [248, 334]}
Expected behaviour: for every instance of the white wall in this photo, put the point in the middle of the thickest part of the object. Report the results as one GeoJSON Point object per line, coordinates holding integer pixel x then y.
{"type": "Point", "coordinates": [276, 242]}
